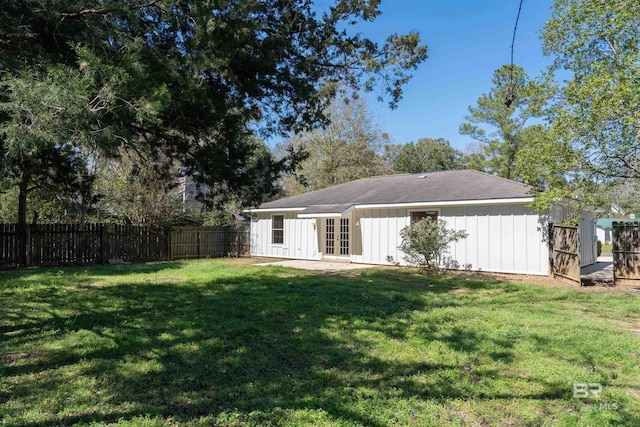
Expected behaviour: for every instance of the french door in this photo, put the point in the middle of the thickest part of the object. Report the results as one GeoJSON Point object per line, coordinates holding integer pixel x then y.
{"type": "Point", "coordinates": [336, 238]}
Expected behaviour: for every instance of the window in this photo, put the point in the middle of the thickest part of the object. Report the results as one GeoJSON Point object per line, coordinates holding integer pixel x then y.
{"type": "Point", "coordinates": [344, 236]}
{"type": "Point", "coordinates": [420, 215]}
{"type": "Point", "coordinates": [277, 229]}
{"type": "Point", "coordinates": [330, 237]}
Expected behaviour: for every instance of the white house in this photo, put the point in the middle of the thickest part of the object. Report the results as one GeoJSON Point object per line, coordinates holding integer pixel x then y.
{"type": "Point", "coordinates": [360, 221]}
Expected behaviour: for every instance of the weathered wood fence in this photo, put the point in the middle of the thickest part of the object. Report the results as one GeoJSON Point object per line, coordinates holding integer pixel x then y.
{"type": "Point", "coordinates": [80, 244]}
{"type": "Point", "coordinates": [564, 252]}
{"type": "Point", "coordinates": [626, 253]}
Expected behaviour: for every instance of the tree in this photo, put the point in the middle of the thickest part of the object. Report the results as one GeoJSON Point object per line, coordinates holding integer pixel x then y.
{"type": "Point", "coordinates": [189, 79]}
{"type": "Point", "coordinates": [506, 121]}
{"type": "Point", "coordinates": [348, 148]}
{"type": "Point", "coordinates": [594, 136]}
{"type": "Point", "coordinates": [44, 206]}
{"type": "Point", "coordinates": [34, 152]}
{"type": "Point", "coordinates": [427, 155]}
{"type": "Point", "coordinates": [139, 189]}
{"type": "Point", "coordinates": [623, 194]}
{"type": "Point", "coordinates": [474, 157]}
{"type": "Point", "coordinates": [424, 242]}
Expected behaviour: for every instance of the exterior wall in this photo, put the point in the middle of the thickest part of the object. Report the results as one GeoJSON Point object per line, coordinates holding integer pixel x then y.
{"type": "Point", "coordinates": [300, 237]}
{"type": "Point", "coordinates": [377, 235]}
{"type": "Point", "coordinates": [322, 228]}
{"type": "Point", "coordinates": [603, 235]}
{"type": "Point", "coordinates": [588, 239]}
{"type": "Point", "coordinates": [501, 238]}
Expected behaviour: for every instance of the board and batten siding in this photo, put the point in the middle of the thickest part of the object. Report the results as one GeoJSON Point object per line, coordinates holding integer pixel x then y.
{"type": "Point", "coordinates": [300, 237]}
{"type": "Point", "coordinates": [501, 238]}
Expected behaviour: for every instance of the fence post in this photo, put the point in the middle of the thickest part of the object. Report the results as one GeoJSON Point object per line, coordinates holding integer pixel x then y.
{"type": "Point", "coordinates": [238, 249]}
{"type": "Point", "coordinates": [27, 245]}
{"type": "Point", "coordinates": [168, 243]}
{"type": "Point", "coordinates": [104, 241]}
{"type": "Point", "coordinates": [198, 244]}
{"type": "Point", "coordinates": [550, 237]}
{"type": "Point", "coordinates": [227, 243]}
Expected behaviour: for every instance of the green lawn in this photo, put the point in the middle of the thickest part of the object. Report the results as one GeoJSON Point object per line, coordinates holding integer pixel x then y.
{"type": "Point", "coordinates": [224, 343]}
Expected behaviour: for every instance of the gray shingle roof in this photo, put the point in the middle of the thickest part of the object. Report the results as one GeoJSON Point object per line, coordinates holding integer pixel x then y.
{"type": "Point", "coordinates": [410, 188]}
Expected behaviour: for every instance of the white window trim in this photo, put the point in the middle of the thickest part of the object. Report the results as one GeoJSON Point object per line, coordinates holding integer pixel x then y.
{"type": "Point", "coordinates": [272, 229]}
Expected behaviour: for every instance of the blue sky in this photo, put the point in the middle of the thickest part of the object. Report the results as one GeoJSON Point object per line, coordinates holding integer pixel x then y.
{"type": "Point", "coordinates": [467, 41]}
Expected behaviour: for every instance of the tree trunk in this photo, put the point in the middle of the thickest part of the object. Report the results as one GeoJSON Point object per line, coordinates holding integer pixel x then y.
{"type": "Point", "coordinates": [22, 200]}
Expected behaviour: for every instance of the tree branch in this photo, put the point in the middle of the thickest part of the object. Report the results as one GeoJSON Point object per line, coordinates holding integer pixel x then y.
{"type": "Point", "coordinates": [104, 11]}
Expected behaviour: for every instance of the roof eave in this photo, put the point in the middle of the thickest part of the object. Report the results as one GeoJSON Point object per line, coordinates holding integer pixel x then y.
{"type": "Point", "coordinates": [258, 210]}
{"type": "Point", "coordinates": [512, 200]}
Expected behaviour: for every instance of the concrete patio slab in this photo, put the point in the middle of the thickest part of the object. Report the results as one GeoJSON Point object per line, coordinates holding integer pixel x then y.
{"type": "Point", "coordinates": [317, 265]}
{"type": "Point", "coordinates": [602, 271]}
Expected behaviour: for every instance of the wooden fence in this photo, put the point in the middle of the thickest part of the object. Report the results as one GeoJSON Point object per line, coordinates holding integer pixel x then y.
{"type": "Point", "coordinates": [564, 252]}
{"type": "Point", "coordinates": [626, 253]}
{"type": "Point", "coordinates": [201, 242]}
{"type": "Point", "coordinates": [81, 244]}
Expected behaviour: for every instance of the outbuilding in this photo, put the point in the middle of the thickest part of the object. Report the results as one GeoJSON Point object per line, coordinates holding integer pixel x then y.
{"type": "Point", "coordinates": [360, 221]}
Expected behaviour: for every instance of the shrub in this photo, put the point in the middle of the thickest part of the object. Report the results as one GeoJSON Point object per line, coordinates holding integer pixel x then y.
{"type": "Point", "coordinates": [424, 242]}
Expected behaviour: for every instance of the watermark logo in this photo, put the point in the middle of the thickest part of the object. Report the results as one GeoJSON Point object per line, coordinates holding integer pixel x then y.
{"type": "Point", "coordinates": [592, 391]}
{"type": "Point", "coordinates": [587, 390]}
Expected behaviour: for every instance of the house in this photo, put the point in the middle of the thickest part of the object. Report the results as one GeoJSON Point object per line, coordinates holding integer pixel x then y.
{"type": "Point", "coordinates": [360, 221]}
{"type": "Point", "coordinates": [191, 191]}
{"type": "Point", "coordinates": [605, 228]}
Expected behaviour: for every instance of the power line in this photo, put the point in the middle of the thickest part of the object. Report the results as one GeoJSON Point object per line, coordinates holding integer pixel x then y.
{"type": "Point", "coordinates": [511, 96]}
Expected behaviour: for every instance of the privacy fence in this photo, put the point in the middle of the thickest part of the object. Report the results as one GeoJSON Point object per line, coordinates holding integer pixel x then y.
{"type": "Point", "coordinates": [564, 252]}
{"type": "Point", "coordinates": [626, 253]}
{"type": "Point", "coordinates": [36, 245]}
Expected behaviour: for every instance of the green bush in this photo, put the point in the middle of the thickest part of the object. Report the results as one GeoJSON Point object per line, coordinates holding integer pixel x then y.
{"type": "Point", "coordinates": [425, 241]}
{"type": "Point", "coordinates": [599, 245]}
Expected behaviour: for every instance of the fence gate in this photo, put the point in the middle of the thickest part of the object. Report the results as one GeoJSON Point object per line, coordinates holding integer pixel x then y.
{"type": "Point", "coordinates": [564, 252]}
{"type": "Point", "coordinates": [626, 253]}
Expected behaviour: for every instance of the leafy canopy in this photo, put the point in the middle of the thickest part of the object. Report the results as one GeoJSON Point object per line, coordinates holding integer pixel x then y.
{"type": "Point", "coordinates": [193, 80]}
{"type": "Point", "coordinates": [499, 126]}
{"type": "Point", "coordinates": [350, 147]}
{"type": "Point", "coordinates": [594, 137]}
{"type": "Point", "coordinates": [426, 155]}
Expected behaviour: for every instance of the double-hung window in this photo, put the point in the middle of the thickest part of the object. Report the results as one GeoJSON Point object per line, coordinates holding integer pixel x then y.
{"type": "Point", "coordinates": [277, 229]}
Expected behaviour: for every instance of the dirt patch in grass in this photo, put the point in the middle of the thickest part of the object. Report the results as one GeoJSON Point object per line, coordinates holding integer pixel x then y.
{"type": "Point", "coordinates": [12, 358]}
{"type": "Point", "coordinates": [538, 280]}
{"type": "Point", "coordinates": [257, 260]}
{"type": "Point", "coordinates": [476, 275]}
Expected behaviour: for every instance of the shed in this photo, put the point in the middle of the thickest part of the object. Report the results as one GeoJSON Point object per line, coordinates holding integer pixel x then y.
{"type": "Point", "coordinates": [360, 221]}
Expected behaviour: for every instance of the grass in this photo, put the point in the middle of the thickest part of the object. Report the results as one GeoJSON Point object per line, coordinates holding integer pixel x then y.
{"type": "Point", "coordinates": [222, 343]}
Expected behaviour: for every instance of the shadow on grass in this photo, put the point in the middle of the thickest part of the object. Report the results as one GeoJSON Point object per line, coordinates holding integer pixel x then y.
{"type": "Point", "coordinates": [34, 274]}
{"type": "Point", "coordinates": [250, 345]}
